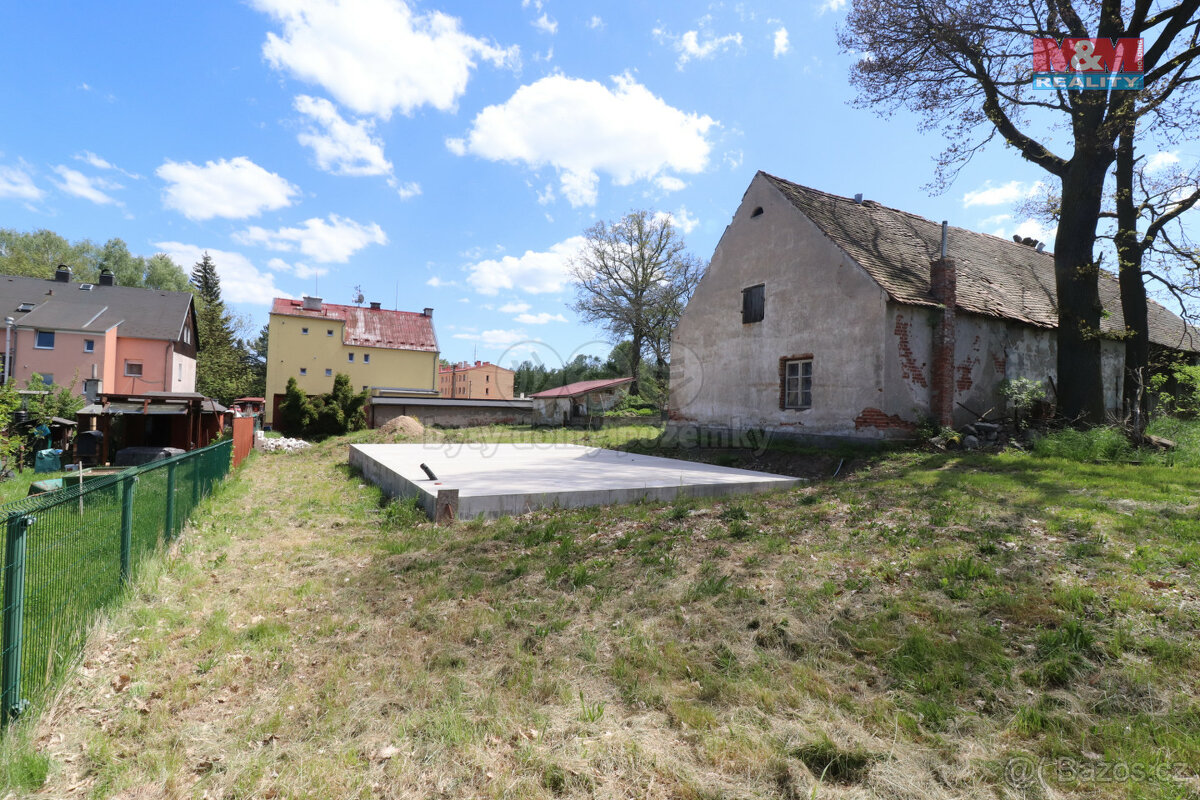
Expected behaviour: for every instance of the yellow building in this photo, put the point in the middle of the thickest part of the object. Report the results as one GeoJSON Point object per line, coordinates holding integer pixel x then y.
{"type": "Point", "coordinates": [312, 341]}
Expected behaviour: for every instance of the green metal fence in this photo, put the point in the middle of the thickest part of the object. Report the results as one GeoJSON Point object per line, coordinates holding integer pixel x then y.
{"type": "Point", "coordinates": [69, 553]}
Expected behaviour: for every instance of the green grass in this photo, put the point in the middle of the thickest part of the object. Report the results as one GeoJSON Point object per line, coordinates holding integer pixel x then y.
{"type": "Point", "coordinates": [914, 623]}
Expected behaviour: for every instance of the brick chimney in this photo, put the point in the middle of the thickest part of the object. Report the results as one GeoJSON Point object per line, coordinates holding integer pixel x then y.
{"type": "Point", "coordinates": [942, 285]}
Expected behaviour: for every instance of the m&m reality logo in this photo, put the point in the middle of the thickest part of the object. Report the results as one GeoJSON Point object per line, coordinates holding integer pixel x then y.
{"type": "Point", "coordinates": [1099, 64]}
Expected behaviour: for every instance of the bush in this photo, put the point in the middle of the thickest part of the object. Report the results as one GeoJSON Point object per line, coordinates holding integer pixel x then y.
{"type": "Point", "coordinates": [333, 414]}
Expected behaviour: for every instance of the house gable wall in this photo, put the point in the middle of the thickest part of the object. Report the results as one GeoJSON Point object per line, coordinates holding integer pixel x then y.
{"type": "Point", "coordinates": [818, 301]}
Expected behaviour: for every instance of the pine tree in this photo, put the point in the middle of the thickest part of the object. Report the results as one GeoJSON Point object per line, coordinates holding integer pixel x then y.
{"type": "Point", "coordinates": [221, 363]}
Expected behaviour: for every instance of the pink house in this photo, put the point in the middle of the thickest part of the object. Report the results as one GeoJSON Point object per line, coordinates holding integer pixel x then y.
{"type": "Point", "coordinates": [101, 337]}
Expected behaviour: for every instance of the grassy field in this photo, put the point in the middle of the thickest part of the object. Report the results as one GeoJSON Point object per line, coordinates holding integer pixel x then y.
{"type": "Point", "coordinates": [925, 625]}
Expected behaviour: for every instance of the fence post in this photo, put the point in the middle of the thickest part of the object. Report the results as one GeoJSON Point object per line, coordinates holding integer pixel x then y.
{"type": "Point", "coordinates": [169, 527]}
{"type": "Point", "coordinates": [127, 526]}
{"type": "Point", "coordinates": [14, 615]}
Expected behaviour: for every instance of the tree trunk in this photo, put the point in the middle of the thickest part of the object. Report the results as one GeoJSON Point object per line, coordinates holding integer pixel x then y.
{"type": "Point", "coordinates": [1133, 292]}
{"type": "Point", "coordinates": [1080, 386]}
{"type": "Point", "coordinates": [635, 360]}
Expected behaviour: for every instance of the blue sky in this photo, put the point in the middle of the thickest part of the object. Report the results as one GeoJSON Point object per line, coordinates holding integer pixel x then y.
{"type": "Point", "coordinates": [442, 154]}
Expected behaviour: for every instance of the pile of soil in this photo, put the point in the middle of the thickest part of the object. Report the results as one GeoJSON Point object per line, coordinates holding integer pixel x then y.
{"type": "Point", "coordinates": [401, 428]}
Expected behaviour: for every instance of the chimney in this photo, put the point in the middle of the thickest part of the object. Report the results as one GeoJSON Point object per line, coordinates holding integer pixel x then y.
{"type": "Point", "coordinates": [311, 303]}
{"type": "Point", "coordinates": [428, 312]}
{"type": "Point", "coordinates": [858, 199]}
{"type": "Point", "coordinates": [375, 306]}
{"type": "Point", "coordinates": [479, 363]}
{"type": "Point", "coordinates": [943, 286]}
{"type": "Point", "coordinates": [107, 278]}
{"type": "Point", "coordinates": [62, 274]}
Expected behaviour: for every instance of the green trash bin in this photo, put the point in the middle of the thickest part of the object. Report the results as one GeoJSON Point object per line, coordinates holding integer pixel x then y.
{"type": "Point", "coordinates": [47, 461]}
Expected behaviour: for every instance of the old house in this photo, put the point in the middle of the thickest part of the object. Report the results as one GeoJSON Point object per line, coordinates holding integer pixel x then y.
{"type": "Point", "coordinates": [838, 316]}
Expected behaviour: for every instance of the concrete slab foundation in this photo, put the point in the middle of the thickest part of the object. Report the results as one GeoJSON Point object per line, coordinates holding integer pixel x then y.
{"type": "Point", "coordinates": [499, 479]}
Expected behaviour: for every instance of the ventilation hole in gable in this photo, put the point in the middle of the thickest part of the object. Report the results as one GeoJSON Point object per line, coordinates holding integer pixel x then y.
{"type": "Point", "coordinates": [757, 212]}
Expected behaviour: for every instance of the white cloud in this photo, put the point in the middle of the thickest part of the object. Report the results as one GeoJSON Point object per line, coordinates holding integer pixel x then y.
{"type": "Point", "coordinates": [334, 241]}
{"type": "Point", "coordinates": [545, 196]}
{"type": "Point", "coordinates": [437, 282]}
{"type": "Point", "coordinates": [241, 281]}
{"type": "Point", "coordinates": [596, 23]}
{"type": "Point", "coordinates": [377, 56]}
{"type": "Point", "coordinates": [1007, 193]}
{"type": "Point", "coordinates": [681, 219]}
{"type": "Point", "coordinates": [407, 191]}
{"type": "Point", "coordinates": [582, 127]}
{"type": "Point", "coordinates": [540, 318]}
{"type": "Point", "coordinates": [698, 44]}
{"type": "Point", "coordinates": [341, 147]}
{"type": "Point", "coordinates": [17, 182]}
{"type": "Point", "coordinates": [234, 189]}
{"type": "Point", "coordinates": [996, 223]}
{"type": "Point", "coordinates": [831, 5]}
{"type": "Point", "coordinates": [546, 25]}
{"type": "Point", "coordinates": [669, 183]}
{"type": "Point", "coordinates": [493, 338]}
{"type": "Point", "coordinates": [1031, 227]}
{"type": "Point", "coordinates": [1161, 161]}
{"type": "Point", "coordinates": [781, 42]}
{"type": "Point", "coordinates": [536, 273]}
{"type": "Point", "coordinates": [514, 308]}
{"type": "Point", "coordinates": [298, 269]}
{"type": "Point", "coordinates": [76, 183]}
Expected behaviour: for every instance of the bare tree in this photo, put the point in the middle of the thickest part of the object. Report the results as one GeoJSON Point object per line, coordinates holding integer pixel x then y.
{"type": "Point", "coordinates": [967, 67]}
{"type": "Point", "coordinates": [634, 277]}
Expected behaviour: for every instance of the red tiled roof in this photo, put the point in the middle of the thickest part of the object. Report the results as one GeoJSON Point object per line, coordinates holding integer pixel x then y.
{"type": "Point", "coordinates": [583, 387]}
{"type": "Point", "coordinates": [370, 327]}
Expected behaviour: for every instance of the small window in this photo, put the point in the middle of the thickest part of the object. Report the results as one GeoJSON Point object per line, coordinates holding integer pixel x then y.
{"type": "Point", "coordinates": [366, 358]}
{"type": "Point", "coordinates": [187, 334]}
{"type": "Point", "coordinates": [487, 391]}
{"type": "Point", "coordinates": [328, 373]}
{"type": "Point", "coordinates": [303, 370]}
{"type": "Point", "coordinates": [797, 384]}
{"type": "Point", "coordinates": [89, 345]}
{"type": "Point", "coordinates": [48, 378]}
{"type": "Point", "coordinates": [753, 304]}
{"type": "Point", "coordinates": [487, 378]}
{"type": "Point", "coordinates": [350, 357]}
{"type": "Point", "coordinates": [133, 369]}
{"type": "Point", "coordinates": [329, 332]}
{"type": "Point", "coordinates": [45, 340]}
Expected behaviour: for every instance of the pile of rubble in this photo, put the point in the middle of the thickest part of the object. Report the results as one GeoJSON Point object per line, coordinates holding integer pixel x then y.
{"type": "Point", "coordinates": [283, 443]}
{"type": "Point", "coordinates": [984, 434]}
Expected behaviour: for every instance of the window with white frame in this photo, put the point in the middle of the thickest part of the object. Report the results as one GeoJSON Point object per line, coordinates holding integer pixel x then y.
{"type": "Point", "coordinates": [45, 340]}
{"type": "Point", "coordinates": [133, 369]}
{"type": "Point", "coordinates": [89, 345]}
{"type": "Point", "coordinates": [350, 357]}
{"type": "Point", "coordinates": [366, 358]}
{"type": "Point", "coordinates": [797, 383]}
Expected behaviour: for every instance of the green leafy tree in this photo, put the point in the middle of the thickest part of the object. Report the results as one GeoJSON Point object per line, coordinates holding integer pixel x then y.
{"type": "Point", "coordinates": [222, 370]}
{"type": "Point", "coordinates": [163, 273]}
{"type": "Point", "coordinates": [296, 412]}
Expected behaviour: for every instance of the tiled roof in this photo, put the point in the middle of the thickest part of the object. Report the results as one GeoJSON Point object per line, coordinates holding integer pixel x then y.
{"type": "Point", "coordinates": [582, 387]}
{"type": "Point", "coordinates": [370, 327]}
{"type": "Point", "coordinates": [142, 313]}
{"type": "Point", "coordinates": [995, 277]}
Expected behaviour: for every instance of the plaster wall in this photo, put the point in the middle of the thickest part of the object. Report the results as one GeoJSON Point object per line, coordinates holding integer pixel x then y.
{"type": "Point", "coordinates": [726, 374]}
{"type": "Point", "coordinates": [65, 362]}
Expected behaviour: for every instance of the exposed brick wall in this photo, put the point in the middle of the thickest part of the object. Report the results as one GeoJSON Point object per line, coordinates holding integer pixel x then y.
{"type": "Point", "coordinates": [874, 418]}
{"type": "Point", "coordinates": [943, 287]}
{"type": "Point", "coordinates": [909, 368]}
